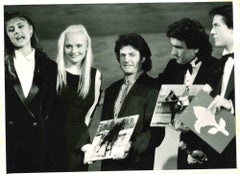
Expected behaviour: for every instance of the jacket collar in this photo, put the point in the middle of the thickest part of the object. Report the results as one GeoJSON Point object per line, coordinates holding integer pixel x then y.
{"type": "Point", "coordinates": [40, 80]}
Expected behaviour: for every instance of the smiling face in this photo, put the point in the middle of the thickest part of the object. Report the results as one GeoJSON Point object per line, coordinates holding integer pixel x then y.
{"type": "Point", "coordinates": [223, 36]}
{"type": "Point", "coordinates": [75, 48]}
{"type": "Point", "coordinates": [19, 32]}
{"type": "Point", "coordinates": [180, 51]}
{"type": "Point", "coordinates": [130, 60]}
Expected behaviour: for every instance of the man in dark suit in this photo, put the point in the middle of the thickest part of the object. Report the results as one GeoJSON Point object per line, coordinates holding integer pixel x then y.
{"type": "Point", "coordinates": [133, 95]}
{"type": "Point", "coordinates": [192, 64]}
{"type": "Point", "coordinates": [222, 32]}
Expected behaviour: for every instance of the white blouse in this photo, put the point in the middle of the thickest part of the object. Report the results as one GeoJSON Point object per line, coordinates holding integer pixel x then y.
{"type": "Point", "coordinates": [25, 70]}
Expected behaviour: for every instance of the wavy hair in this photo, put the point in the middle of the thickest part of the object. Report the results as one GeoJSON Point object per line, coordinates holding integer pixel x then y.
{"type": "Point", "coordinates": [85, 66]}
{"type": "Point", "coordinates": [138, 42]}
{"type": "Point", "coordinates": [193, 34]}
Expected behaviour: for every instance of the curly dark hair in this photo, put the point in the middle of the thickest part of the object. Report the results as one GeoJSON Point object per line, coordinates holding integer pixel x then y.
{"type": "Point", "coordinates": [137, 42]}
{"type": "Point", "coordinates": [193, 34]}
{"type": "Point", "coordinates": [226, 12]}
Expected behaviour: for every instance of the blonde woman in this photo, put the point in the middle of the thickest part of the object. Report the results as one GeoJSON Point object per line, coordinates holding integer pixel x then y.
{"type": "Point", "coordinates": [78, 87]}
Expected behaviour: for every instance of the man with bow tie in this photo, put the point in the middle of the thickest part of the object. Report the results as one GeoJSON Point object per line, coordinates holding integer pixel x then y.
{"type": "Point", "coordinates": [192, 64]}
{"type": "Point", "coordinates": [222, 32]}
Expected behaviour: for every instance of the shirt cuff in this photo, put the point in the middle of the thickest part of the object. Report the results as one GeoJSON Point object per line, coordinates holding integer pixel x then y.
{"type": "Point", "coordinates": [231, 107]}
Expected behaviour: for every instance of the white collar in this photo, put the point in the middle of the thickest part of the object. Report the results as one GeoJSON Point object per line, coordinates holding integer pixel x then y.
{"type": "Point", "coordinates": [132, 79]}
{"type": "Point", "coordinates": [29, 57]}
{"type": "Point", "coordinates": [193, 62]}
{"type": "Point", "coordinates": [225, 52]}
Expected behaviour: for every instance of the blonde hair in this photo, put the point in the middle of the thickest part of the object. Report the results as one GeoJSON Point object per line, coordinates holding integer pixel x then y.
{"type": "Point", "coordinates": [85, 66]}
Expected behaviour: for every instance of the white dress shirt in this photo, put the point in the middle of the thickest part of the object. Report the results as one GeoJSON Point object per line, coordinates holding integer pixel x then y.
{"type": "Point", "coordinates": [226, 76]}
{"type": "Point", "coordinates": [189, 78]}
{"type": "Point", "coordinates": [25, 70]}
{"type": "Point", "coordinates": [226, 72]}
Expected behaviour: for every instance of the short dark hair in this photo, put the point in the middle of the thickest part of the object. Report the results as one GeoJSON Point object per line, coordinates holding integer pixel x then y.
{"type": "Point", "coordinates": [226, 12]}
{"type": "Point", "coordinates": [137, 42]}
{"type": "Point", "coordinates": [193, 34]}
{"type": "Point", "coordinates": [11, 15]}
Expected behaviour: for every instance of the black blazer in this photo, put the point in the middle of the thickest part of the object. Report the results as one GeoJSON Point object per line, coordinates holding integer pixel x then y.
{"type": "Point", "coordinates": [25, 117]}
{"type": "Point", "coordinates": [140, 100]}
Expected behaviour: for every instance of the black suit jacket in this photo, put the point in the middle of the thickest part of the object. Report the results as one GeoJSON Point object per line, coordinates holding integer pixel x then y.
{"type": "Point", "coordinates": [25, 117]}
{"type": "Point", "coordinates": [210, 72]}
{"type": "Point", "coordinates": [140, 100]}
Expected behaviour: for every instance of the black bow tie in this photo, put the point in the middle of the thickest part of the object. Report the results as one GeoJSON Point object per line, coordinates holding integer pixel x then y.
{"type": "Point", "coordinates": [225, 57]}
{"type": "Point", "coordinates": [188, 67]}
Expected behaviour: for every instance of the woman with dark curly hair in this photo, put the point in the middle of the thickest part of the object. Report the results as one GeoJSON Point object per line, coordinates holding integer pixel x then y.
{"type": "Point", "coordinates": [30, 80]}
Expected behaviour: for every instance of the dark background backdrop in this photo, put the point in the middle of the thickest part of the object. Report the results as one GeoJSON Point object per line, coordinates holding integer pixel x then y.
{"type": "Point", "coordinates": [110, 19]}
{"type": "Point", "coordinates": [104, 22]}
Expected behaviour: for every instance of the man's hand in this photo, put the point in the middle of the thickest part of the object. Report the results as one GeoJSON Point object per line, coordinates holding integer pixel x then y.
{"type": "Point", "coordinates": [219, 102]}
{"type": "Point", "coordinates": [196, 156]}
{"type": "Point", "coordinates": [180, 126]}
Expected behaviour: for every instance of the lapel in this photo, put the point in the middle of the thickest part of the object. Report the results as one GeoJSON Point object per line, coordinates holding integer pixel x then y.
{"type": "Point", "coordinates": [111, 100]}
{"type": "Point", "coordinates": [230, 85]}
{"type": "Point", "coordinates": [201, 75]}
{"type": "Point", "coordinates": [133, 91]}
{"type": "Point", "coordinates": [177, 75]}
{"type": "Point", "coordinates": [180, 76]}
{"type": "Point", "coordinates": [18, 89]}
{"type": "Point", "coordinates": [39, 85]}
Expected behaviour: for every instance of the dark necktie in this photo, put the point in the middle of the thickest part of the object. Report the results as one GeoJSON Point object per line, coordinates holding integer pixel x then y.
{"type": "Point", "coordinates": [121, 97]}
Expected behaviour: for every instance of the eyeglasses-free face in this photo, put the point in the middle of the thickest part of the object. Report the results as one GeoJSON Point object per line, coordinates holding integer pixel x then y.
{"type": "Point", "coordinates": [19, 32]}
{"type": "Point", "coordinates": [75, 47]}
{"type": "Point", "coordinates": [130, 60]}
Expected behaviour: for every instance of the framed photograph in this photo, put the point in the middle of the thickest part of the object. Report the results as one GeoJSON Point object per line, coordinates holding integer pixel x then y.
{"type": "Point", "coordinates": [112, 136]}
{"type": "Point", "coordinates": [162, 112]}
